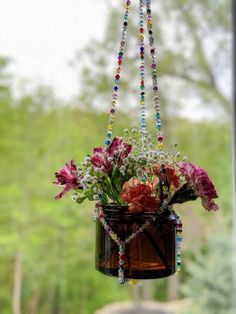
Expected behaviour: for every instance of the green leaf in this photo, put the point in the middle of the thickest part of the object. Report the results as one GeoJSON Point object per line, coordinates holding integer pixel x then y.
{"type": "Point", "coordinates": [184, 194]}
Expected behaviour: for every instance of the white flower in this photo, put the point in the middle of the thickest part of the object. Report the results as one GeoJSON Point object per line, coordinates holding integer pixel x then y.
{"type": "Point", "coordinates": [139, 172]}
{"type": "Point", "coordinates": [87, 178]}
{"type": "Point", "coordinates": [74, 197]}
{"type": "Point", "coordinates": [122, 170]}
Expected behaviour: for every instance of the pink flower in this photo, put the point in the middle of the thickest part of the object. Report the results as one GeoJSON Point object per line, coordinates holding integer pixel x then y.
{"type": "Point", "coordinates": [103, 157]}
{"type": "Point", "coordinates": [67, 177]}
{"type": "Point", "coordinates": [100, 160]}
{"type": "Point", "coordinates": [118, 149]}
{"type": "Point", "coordinates": [201, 183]}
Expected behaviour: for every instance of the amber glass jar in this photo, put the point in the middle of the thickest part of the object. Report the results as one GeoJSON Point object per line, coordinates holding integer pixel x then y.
{"type": "Point", "coordinates": [152, 254]}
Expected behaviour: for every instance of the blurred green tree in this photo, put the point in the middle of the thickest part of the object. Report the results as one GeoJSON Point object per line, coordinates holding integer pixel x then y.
{"type": "Point", "coordinates": [46, 252]}
{"type": "Point", "coordinates": [193, 40]}
{"type": "Point", "coordinates": [209, 284]}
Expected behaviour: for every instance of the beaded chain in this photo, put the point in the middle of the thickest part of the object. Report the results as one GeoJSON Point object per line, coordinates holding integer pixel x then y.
{"type": "Point", "coordinates": [179, 230]}
{"type": "Point", "coordinates": [142, 73]}
{"type": "Point", "coordinates": [154, 75]}
{"type": "Point", "coordinates": [142, 69]}
{"type": "Point", "coordinates": [117, 74]}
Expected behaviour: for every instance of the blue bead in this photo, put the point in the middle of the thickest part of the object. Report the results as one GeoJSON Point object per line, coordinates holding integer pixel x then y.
{"type": "Point", "coordinates": [108, 142]}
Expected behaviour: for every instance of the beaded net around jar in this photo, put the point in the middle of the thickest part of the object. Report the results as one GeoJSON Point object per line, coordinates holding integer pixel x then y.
{"type": "Point", "coordinates": [99, 214]}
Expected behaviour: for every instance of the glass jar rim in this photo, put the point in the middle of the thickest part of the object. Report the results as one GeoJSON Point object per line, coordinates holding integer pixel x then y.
{"type": "Point", "coordinates": [122, 210]}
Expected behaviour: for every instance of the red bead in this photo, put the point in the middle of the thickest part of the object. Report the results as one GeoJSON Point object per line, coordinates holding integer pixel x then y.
{"type": "Point", "coordinates": [122, 257]}
{"type": "Point", "coordinates": [152, 51]}
{"type": "Point", "coordinates": [142, 82]}
{"type": "Point", "coordinates": [117, 76]}
{"type": "Point", "coordinates": [141, 30]}
{"type": "Point", "coordinates": [160, 138]}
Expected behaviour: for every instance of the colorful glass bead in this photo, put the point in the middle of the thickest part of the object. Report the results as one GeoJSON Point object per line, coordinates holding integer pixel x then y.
{"type": "Point", "coordinates": [160, 138]}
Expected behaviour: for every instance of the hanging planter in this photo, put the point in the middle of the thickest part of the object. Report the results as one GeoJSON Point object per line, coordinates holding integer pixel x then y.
{"type": "Point", "coordinates": [135, 184]}
{"type": "Point", "coordinates": [137, 246]}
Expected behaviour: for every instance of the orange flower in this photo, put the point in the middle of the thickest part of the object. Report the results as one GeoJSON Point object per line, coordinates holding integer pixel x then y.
{"type": "Point", "coordinates": [170, 174]}
{"type": "Point", "coordinates": [140, 196]}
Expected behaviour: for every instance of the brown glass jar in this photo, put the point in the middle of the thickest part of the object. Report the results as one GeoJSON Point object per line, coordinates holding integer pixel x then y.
{"type": "Point", "coordinates": [152, 254]}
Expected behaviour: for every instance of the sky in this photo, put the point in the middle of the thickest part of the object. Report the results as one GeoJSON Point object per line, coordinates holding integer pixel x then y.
{"type": "Point", "coordinates": [41, 37]}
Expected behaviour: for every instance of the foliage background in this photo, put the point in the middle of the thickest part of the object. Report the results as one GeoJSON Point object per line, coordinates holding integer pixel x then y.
{"type": "Point", "coordinates": [47, 247]}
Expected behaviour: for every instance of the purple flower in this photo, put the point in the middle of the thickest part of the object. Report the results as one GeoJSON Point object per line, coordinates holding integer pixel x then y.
{"type": "Point", "coordinates": [67, 177]}
{"type": "Point", "coordinates": [201, 183]}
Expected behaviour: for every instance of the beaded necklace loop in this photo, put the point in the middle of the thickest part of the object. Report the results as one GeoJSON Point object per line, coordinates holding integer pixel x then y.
{"type": "Point", "coordinates": [159, 135]}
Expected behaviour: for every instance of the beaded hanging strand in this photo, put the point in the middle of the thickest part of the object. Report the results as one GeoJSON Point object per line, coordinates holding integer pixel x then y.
{"type": "Point", "coordinates": [142, 70]}
{"type": "Point", "coordinates": [154, 76]}
{"type": "Point", "coordinates": [117, 74]}
{"type": "Point", "coordinates": [179, 229]}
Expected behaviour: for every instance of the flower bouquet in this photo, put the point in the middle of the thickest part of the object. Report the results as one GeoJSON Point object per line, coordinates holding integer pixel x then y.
{"type": "Point", "coordinates": [135, 188]}
{"type": "Point", "coordinates": [135, 184]}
